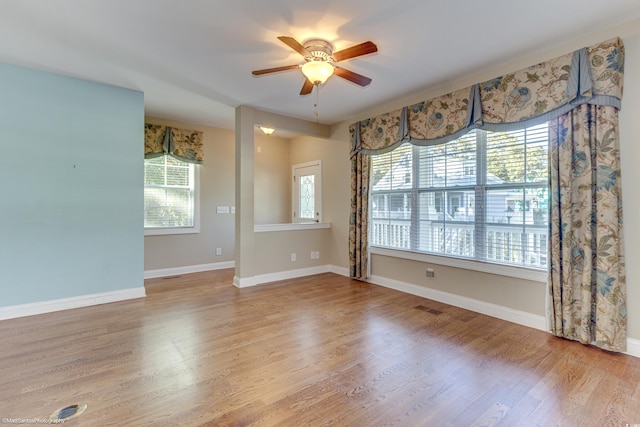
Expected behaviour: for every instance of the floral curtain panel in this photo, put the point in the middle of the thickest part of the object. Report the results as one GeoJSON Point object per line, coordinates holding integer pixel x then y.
{"type": "Point", "coordinates": [579, 94]}
{"type": "Point", "coordinates": [587, 273]}
{"type": "Point", "coordinates": [535, 94]}
{"type": "Point", "coordinates": [449, 116]}
{"type": "Point", "coordinates": [527, 93]}
{"type": "Point", "coordinates": [380, 133]}
{"type": "Point", "coordinates": [358, 221]}
{"type": "Point", "coordinates": [185, 145]}
{"type": "Point", "coordinates": [607, 68]}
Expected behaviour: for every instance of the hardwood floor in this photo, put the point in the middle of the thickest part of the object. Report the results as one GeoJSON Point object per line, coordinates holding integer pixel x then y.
{"type": "Point", "coordinates": [321, 350]}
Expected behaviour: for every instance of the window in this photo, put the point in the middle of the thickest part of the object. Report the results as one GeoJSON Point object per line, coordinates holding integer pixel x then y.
{"type": "Point", "coordinates": [307, 192]}
{"type": "Point", "coordinates": [482, 197]}
{"type": "Point", "coordinates": [170, 196]}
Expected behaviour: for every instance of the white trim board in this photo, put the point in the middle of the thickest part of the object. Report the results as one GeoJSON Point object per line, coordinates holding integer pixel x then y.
{"type": "Point", "coordinates": [175, 271]}
{"type": "Point", "coordinates": [633, 347]}
{"type": "Point", "coordinates": [493, 310]}
{"type": "Point", "coordinates": [264, 228]}
{"type": "Point", "coordinates": [32, 309]}
{"type": "Point", "coordinates": [343, 271]}
{"type": "Point", "coordinates": [243, 282]}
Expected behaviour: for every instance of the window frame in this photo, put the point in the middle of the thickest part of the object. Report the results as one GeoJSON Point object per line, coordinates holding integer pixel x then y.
{"type": "Point", "coordinates": [479, 190]}
{"type": "Point", "coordinates": [195, 229]}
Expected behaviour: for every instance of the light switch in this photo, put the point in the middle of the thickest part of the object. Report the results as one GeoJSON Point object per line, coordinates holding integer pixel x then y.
{"type": "Point", "coordinates": [222, 209]}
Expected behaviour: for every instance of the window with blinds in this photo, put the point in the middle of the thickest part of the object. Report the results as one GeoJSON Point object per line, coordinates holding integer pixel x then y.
{"type": "Point", "coordinates": [482, 197]}
{"type": "Point", "coordinates": [169, 193]}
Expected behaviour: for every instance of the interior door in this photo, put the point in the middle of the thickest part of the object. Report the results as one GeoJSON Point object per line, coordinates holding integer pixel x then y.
{"type": "Point", "coordinates": [307, 192]}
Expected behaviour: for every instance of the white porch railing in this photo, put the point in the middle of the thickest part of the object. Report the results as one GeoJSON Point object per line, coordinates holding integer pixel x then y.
{"type": "Point", "coordinates": [505, 244]}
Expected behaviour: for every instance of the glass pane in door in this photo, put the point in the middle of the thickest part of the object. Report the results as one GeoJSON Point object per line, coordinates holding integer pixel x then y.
{"type": "Point", "coordinates": [307, 196]}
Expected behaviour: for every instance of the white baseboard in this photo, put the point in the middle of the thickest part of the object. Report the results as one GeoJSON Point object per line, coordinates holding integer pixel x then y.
{"type": "Point", "coordinates": [633, 347]}
{"type": "Point", "coordinates": [174, 271]}
{"type": "Point", "coordinates": [31, 309]}
{"type": "Point", "coordinates": [243, 282]}
{"type": "Point", "coordinates": [493, 310]}
{"type": "Point", "coordinates": [343, 271]}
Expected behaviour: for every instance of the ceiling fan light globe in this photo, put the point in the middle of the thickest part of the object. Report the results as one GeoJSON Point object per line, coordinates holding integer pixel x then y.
{"type": "Point", "coordinates": [317, 72]}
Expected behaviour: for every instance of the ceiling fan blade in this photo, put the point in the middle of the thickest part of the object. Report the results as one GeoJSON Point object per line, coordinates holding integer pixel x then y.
{"type": "Point", "coordinates": [295, 45]}
{"type": "Point", "coordinates": [354, 51]}
{"type": "Point", "coordinates": [356, 78]}
{"type": "Point", "coordinates": [307, 87]}
{"type": "Point", "coordinates": [274, 70]}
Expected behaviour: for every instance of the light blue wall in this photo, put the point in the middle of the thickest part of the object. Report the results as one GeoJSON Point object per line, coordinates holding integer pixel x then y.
{"type": "Point", "coordinates": [71, 187]}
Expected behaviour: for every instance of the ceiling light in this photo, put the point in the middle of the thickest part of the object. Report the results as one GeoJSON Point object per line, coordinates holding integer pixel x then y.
{"type": "Point", "coordinates": [317, 72]}
{"type": "Point", "coordinates": [266, 130]}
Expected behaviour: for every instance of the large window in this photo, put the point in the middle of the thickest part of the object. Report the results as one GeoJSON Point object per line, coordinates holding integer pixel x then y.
{"type": "Point", "coordinates": [170, 196]}
{"type": "Point", "coordinates": [481, 197]}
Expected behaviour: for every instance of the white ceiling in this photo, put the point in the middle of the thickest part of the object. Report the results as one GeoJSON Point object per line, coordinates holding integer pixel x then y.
{"type": "Point", "coordinates": [193, 58]}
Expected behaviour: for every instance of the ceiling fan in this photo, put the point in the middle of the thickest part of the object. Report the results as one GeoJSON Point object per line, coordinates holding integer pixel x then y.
{"type": "Point", "coordinates": [320, 60]}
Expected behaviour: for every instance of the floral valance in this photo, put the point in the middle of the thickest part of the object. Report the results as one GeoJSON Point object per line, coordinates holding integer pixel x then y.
{"type": "Point", "coordinates": [592, 75]}
{"type": "Point", "coordinates": [185, 145]}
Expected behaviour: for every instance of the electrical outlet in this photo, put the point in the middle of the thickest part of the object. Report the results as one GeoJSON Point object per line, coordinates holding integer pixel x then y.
{"type": "Point", "coordinates": [293, 257]}
{"type": "Point", "coordinates": [218, 251]}
{"type": "Point", "coordinates": [315, 255]}
{"type": "Point", "coordinates": [430, 273]}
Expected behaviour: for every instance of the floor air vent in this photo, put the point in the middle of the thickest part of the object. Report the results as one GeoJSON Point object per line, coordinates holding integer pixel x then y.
{"type": "Point", "coordinates": [68, 412]}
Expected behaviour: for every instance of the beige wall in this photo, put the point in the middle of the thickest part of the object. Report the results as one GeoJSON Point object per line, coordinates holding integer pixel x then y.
{"type": "Point", "coordinates": [217, 188]}
{"type": "Point", "coordinates": [217, 184]}
{"type": "Point", "coordinates": [336, 167]}
{"type": "Point", "coordinates": [272, 197]}
{"type": "Point", "coordinates": [274, 250]}
{"type": "Point", "coordinates": [516, 294]}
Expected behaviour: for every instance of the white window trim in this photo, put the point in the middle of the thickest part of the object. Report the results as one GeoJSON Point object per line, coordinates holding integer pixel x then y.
{"type": "Point", "coordinates": [161, 231]}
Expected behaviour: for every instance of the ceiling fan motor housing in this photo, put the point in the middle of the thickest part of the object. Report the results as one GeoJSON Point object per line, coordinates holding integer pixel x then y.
{"type": "Point", "coordinates": [320, 50]}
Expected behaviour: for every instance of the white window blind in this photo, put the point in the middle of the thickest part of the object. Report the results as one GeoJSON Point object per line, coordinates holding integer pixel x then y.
{"type": "Point", "coordinates": [483, 197]}
{"type": "Point", "coordinates": [169, 193]}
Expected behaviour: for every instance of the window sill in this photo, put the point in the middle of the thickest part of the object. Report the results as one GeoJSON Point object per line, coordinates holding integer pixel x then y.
{"type": "Point", "coordinates": [485, 267]}
{"type": "Point", "coordinates": [264, 228]}
{"type": "Point", "coordinates": [169, 231]}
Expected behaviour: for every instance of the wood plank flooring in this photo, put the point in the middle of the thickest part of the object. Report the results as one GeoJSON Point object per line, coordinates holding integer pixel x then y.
{"type": "Point", "coordinates": [316, 351]}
